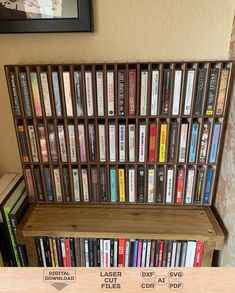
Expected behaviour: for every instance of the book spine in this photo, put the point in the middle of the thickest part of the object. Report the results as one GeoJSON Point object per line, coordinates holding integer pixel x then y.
{"type": "Point", "coordinates": [121, 252]}
{"type": "Point", "coordinates": [143, 256]}
{"type": "Point", "coordinates": [134, 264]}
{"type": "Point", "coordinates": [140, 244]}
{"type": "Point", "coordinates": [127, 253]}
{"type": "Point", "coordinates": [198, 254]}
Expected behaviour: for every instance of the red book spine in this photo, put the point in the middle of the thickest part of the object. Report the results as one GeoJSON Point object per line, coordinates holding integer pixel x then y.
{"type": "Point", "coordinates": [121, 252]}
{"type": "Point", "coordinates": [132, 92]}
{"type": "Point", "coordinates": [152, 255]}
{"type": "Point", "coordinates": [67, 249]}
{"type": "Point", "coordinates": [152, 142]}
{"type": "Point", "coordinates": [160, 253]}
{"type": "Point", "coordinates": [198, 254]}
{"type": "Point", "coordinates": [180, 186]}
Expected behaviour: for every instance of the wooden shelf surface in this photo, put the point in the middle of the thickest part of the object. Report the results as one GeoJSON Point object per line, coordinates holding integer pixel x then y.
{"type": "Point", "coordinates": [141, 222]}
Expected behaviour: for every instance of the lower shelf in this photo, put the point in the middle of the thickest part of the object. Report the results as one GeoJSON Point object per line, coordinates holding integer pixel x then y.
{"type": "Point", "coordinates": [140, 222]}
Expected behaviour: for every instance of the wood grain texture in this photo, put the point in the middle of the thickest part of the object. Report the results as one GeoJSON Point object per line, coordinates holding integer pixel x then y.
{"type": "Point", "coordinates": [122, 221]}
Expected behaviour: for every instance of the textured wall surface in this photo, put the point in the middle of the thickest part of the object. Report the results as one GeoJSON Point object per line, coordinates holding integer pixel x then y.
{"type": "Point", "coordinates": [225, 203]}
{"type": "Point", "coordinates": [125, 30]}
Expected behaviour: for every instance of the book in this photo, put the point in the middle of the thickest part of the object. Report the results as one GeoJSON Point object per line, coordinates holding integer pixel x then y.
{"type": "Point", "coordinates": [222, 92]}
{"type": "Point", "coordinates": [89, 93]}
{"type": "Point", "coordinates": [46, 94]}
{"type": "Point", "coordinates": [100, 92]}
{"type": "Point", "coordinates": [62, 143]}
{"type": "Point", "coordinates": [110, 92]}
{"type": "Point", "coordinates": [189, 91]}
{"type": "Point", "coordinates": [198, 254]}
{"type": "Point", "coordinates": [79, 93]}
{"type": "Point", "coordinates": [25, 94]}
{"type": "Point", "coordinates": [143, 92]}
{"type": "Point", "coordinates": [155, 92]}
{"type": "Point", "coordinates": [190, 254]}
{"type": "Point", "coordinates": [132, 92]}
{"type": "Point", "coordinates": [212, 91]}
{"type": "Point", "coordinates": [56, 93]}
{"type": "Point", "coordinates": [36, 94]}
{"type": "Point", "coordinates": [176, 92]}
{"type": "Point", "coordinates": [166, 91]}
{"type": "Point", "coordinates": [121, 252]}
{"type": "Point", "coordinates": [121, 92]}
{"type": "Point", "coordinates": [200, 91]}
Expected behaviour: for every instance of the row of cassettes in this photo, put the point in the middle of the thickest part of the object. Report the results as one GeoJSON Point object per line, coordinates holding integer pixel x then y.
{"type": "Point", "coordinates": [174, 141]}
{"type": "Point", "coordinates": [183, 185]}
{"type": "Point", "coordinates": [135, 90]}
{"type": "Point", "coordinates": [105, 253]}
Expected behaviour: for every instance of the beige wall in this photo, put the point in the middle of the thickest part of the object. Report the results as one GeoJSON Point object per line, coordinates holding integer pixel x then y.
{"type": "Point", "coordinates": [124, 30]}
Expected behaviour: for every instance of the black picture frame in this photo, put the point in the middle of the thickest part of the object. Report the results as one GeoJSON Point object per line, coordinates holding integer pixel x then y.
{"type": "Point", "coordinates": [81, 24]}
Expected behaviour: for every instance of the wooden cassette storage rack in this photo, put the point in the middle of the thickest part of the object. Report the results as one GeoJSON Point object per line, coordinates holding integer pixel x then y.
{"type": "Point", "coordinates": [34, 102]}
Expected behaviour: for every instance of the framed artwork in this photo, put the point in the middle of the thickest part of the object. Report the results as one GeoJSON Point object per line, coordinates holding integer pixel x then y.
{"type": "Point", "coordinates": [37, 16]}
